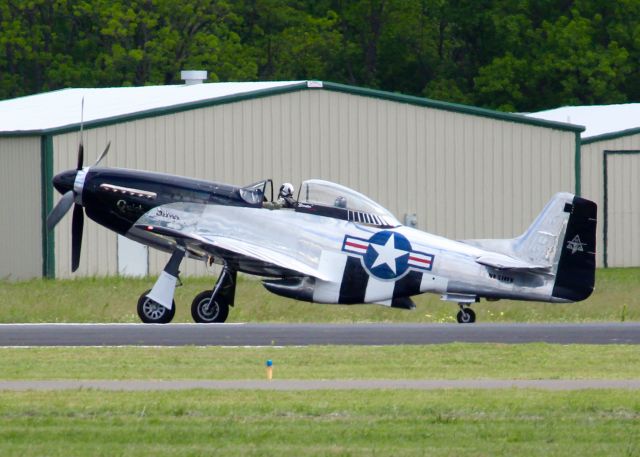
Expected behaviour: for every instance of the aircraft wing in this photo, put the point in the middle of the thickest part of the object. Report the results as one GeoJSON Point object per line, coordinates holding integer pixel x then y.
{"type": "Point", "coordinates": [266, 255]}
{"type": "Point", "coordinates": [504, 262]}
{"type": "Point", "coordinates": [240, 248]}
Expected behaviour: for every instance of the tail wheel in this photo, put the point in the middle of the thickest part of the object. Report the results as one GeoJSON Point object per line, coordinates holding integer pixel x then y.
{"type": "Point", "coordinates": [151, 312]}
{"type": "Point", "coordinates": [466, 316]}
{"type": "Point", "coordinates": [204, 311]}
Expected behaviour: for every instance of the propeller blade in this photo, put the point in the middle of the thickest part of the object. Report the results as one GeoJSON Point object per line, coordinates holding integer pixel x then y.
{"type": "Point", "coordinates": [104, 153]}
{"type": "Point", "coordinates": [60, 210]}
{"type": "Point", "coordinates": [81, 145]}
{"type": "Point", "coordinates": [80, 155]}
{"type": "Point", "coordinates": [76, 236]}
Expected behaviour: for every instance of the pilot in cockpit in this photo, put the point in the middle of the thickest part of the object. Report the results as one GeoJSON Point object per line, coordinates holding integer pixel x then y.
{"type": "Point", "coordinates": [285, 198]}
{"type": "Point", "coordinates": [340, 202]}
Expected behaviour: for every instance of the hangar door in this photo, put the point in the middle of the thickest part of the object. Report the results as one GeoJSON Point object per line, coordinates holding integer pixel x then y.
{"type": "Point", "coordinates": [133, 258]}
{"type": "Point", "coordinates": [621, 208]}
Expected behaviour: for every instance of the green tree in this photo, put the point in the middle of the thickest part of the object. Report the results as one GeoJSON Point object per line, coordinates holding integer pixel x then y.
{"type": "Point", "coordinates": [518, 55]}
{"type": "Point", "coordinates": [568, 62]}
{"type": "Point", "coordinates": [291, 39]}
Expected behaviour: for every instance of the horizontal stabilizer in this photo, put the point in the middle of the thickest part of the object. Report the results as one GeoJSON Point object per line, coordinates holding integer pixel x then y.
{"type": "Point", "coordinates": [503, 262]}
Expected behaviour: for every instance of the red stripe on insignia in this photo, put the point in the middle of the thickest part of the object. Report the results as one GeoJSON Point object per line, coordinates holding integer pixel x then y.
{"type": "Point", "coordinates": [416, 259]}
{"type": "Point", "coordinates": [355, 245]}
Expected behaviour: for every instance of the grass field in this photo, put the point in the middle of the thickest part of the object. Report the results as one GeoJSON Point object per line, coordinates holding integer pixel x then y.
{"type": "Point", "coordinates": [339, 423]}
{"type": "Point", "coordinates": [617, 298]}
{"type": "Point", "coordinates": [523, 422]}
{"type": "Point", "coordinates": [448, 361]}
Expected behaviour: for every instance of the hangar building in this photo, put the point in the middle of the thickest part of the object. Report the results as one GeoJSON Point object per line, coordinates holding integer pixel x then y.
{"type": "Point", "coordinates": [610, 175]}
{"type": "Point", "coordinates": [464, 172]}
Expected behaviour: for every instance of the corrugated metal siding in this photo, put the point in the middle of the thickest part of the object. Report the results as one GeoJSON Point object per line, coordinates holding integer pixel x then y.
{"type": "Point", "coordinates": [465, 176]}
{"type": "Point", "coordinates": [20, 206]}
{"type": "Point", "coordinates": [623, 245]}
{"type": "Point", "coordinates": [593, 185]}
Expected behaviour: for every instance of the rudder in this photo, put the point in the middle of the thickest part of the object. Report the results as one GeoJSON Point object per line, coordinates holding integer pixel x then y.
{"type": "Point", "coordinates": [575, 276]}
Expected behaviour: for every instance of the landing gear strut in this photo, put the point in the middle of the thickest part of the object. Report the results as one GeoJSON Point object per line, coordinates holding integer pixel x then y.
{"type": "Point", "coordinates": [212, 306]}
{"type": "Point", "coordinates": [157, 306]}
{"type": "Point", "coordinates": [466, 315]}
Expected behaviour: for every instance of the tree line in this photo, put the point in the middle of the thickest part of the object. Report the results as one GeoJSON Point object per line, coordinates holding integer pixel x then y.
{"type": "Point", "coordinates": [512, 55]}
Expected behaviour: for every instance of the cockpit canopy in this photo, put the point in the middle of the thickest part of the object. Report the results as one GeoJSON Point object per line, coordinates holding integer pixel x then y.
{"type": "Point", "coordinates": [343, 203]}
{"type": "Point", "coordinates": [325, 198]}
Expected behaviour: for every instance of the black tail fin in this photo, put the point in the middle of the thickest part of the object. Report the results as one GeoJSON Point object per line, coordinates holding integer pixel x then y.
{"type": "Point", "coordinates": [575, 276]}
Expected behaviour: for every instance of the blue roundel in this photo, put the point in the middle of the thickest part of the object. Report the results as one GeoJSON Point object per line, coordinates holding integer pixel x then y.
{"type": "Point", "coordinates": [387, 256]}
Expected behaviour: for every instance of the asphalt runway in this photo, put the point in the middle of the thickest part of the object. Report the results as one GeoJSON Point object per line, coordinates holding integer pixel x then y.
{"type": "Point", "coordinates": [312, 334]}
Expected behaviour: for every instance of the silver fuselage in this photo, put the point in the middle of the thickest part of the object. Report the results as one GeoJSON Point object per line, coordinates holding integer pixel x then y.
{"type": "Point", "coordinates": [317, 241]}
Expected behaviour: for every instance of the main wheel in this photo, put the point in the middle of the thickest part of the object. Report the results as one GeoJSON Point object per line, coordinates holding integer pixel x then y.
{"type": "Point", "coordinates": [151, 312]}
{"type": "Point", "coordinates": [205, 312]}
{"type": "Point", "coordinates": [466, 316]}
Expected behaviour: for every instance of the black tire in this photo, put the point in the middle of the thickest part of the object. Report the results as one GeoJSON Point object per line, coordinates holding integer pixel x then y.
{"type": "Point", "coordinates": [203, 314]}
{"type": "Point", "coordinates": [151, 312]}
{"type": "Point", "coordinates": [468, 316]}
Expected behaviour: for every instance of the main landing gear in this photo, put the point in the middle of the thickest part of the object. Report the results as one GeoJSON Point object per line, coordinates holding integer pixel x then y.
{"type": "Point", "coordinates": [213, 305]}
{"type": "Point", "coordinates": [157, 306]}
{"type": "Point", "coordinates": [466, 315]}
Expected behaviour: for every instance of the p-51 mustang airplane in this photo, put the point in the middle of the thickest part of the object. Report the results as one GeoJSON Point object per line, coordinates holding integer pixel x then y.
{"type": "Point", "coordinates": [334, 245]}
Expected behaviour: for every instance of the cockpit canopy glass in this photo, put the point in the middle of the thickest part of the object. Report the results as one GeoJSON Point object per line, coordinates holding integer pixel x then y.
{"type": "Point", "coordinates": [254, 193]}
{"type": "Point", "coordinates": [325, 193]}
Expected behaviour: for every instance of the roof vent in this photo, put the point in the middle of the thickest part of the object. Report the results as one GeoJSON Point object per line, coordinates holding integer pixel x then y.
{"type": "Point", "coordinates": [193, 76]}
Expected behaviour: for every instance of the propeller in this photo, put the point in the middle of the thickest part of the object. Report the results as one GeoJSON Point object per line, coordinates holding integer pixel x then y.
{"type": "Point", "coordinates": [102, 156]}
{"type": "Point", "coordinates": [74, 179]}
{"type": "Point", "coordinates": [77, 224]}
{"type": "Point", "coordinates": [81, 145]}
{"type": "Point", "coordinates": [60, 210]}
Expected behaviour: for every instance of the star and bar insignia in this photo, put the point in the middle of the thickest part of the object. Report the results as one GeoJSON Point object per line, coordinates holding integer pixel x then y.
{"type": "Point", "coordinates": [387, 255]}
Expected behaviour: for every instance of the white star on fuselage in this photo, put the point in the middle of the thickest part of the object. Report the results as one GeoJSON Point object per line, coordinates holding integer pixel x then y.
{"type": "Point", "coordinates": [387, 254]}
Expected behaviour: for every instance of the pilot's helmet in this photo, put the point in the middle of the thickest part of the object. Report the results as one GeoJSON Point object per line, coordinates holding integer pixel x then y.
{"type": "Point", "coordinates": [340, 202]}
{"type": "Point", "coordinates": [286, 190]}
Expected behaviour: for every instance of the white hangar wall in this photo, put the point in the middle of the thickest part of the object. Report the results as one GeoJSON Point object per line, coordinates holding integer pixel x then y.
{"type": "Point", "coordinates": [619, 204]}
{"type": "Point", "coordinates": [464, 175]}
{"type": "Point", "coordinates": [20, 207]}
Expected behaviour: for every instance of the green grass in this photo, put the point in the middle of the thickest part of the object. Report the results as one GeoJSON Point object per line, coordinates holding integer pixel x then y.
{"type": "Point", "coordinates": [453, 422]}
{"type": "Point", "coordinates": [617, 298]}
{"type": "Point", "coordinates": [332, 423]}
{"type": "Point", "coordinates": [449, 361]}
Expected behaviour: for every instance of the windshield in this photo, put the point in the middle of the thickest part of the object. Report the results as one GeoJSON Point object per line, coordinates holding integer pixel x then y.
{"type": "Point", "coordinates": [254, 193]}
{"type": "Point", "coordinates": [319, 192]}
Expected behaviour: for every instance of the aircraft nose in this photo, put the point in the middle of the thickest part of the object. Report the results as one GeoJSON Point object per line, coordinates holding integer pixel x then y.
{"type": "Point", "coordinates": [63, 182]}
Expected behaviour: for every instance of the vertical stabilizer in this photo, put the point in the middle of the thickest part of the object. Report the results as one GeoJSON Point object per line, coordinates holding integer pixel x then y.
{"type": "Point", "coordinates": [563, 236]}
{"type": "Point", "coordinates": [539, 245]}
